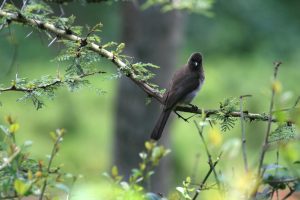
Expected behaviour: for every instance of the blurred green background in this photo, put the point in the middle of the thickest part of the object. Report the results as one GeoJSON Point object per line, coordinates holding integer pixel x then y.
{"type": "Point", "coordinates": [239, 44]}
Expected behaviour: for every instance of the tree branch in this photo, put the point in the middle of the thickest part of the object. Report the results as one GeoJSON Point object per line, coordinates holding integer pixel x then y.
{"type": "Point", "coordinates": [151, 92]}
{"type": "Point", "coordinates": [55, 82]}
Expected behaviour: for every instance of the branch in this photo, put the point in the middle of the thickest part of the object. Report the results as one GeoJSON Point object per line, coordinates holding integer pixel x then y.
{"type": "Point", "coordinates": [10, 159]}
{"type": "Point", "coordinates": [53, 153]}
{"type": "Point", "coordinates": [151, 92]}
{"type": "Point", "coordinates": [65, 34]}
{"type": "Point", "coordinates": [210, 162]}
{"type": "Point", "coordinates": [55, 82]}
{"type": "Point", "coordinates": [211, 169]}
{"type": "Point", "coordinates": [266, 140]}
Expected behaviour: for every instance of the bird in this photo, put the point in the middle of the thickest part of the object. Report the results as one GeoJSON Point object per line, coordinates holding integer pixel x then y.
{"type": "Point", "coordinates": [183, 88]}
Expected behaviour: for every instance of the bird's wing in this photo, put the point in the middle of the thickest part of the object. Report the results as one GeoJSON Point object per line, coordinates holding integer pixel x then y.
{"type": "Point", "coordinates": [180, 89]}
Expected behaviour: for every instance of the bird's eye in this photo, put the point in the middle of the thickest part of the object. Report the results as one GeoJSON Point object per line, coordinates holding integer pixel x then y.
{"type": "Point", "coordinates": [196, 64]}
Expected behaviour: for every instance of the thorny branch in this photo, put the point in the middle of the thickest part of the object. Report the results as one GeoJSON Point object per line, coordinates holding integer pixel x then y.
{"type": "Point", "coordinates": [55, 82]}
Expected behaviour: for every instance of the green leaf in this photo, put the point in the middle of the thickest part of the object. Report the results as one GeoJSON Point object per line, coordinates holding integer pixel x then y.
{"type": "Point", "coordinates": [120, 48]}
{"type": "Point", "coordinates": [114, 171]}
{"type": "Point", "coordinates": [21, 187]}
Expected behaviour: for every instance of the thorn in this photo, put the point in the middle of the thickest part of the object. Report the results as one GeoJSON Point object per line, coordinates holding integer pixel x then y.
{"type": "Point", "coordinates": [62, 12]}
{"type": "Point", "coordinates": [29, 34]}
{"type": "Point", "coordinates": [54, 39]}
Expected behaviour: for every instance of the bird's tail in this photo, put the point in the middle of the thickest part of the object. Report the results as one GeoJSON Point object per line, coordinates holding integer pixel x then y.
{"type": "Point", "coordinates": [160, 124]}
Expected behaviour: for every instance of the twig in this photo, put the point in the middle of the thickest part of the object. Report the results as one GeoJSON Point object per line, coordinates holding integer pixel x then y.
{"type": "Point", "coordinates": [296, 102]}
{"type": "Point", "coordinates": [3, 2]}
{"type": "Point", "coordinates": [53, 153]}
{"type": "Point", "coordinates": [211, 169]}
{"type": "Point", "coordinates": [266, 139]}
{"type": "Point", "coordinates": [56, 81]}
{"type": "Point", "coordinates": [210, 162]}
{"type": "Point", "coordinates": [24, 4]}
{"type": "Point", "coordinates": [247, 115]}
{"type": "Point", "coordinates": [243, 133]}
{"type": "Point", "coordinates": [10, 159]}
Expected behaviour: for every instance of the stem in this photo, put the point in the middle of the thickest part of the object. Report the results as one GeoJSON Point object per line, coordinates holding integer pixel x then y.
{"type": "Point", "coordinates": [210, 162]}
{"type": "Point", "coordinates": [266, 140]}
{"type": "Point", "coordinates": [211, 169]}
{"type": "Point", "coordinates": [53, 153]}
{"type": "Point", "coordinates": [244, 150]}
{"type": "Point", "coordinates": [3, 2]}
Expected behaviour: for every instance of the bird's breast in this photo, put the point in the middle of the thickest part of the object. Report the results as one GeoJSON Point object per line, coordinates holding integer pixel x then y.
{"type": "Point", "coordinates": [190, 96]}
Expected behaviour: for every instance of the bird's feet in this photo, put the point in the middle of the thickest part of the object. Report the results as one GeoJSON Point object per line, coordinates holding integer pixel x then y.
{"type": "Point", "coordinates": [180, 116]}
{"type": "Point", "coordinates": [193, 107]}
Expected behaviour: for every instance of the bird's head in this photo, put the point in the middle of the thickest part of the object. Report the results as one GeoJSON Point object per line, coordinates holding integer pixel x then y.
{"type": "Point", "coordinates": [195, 61]}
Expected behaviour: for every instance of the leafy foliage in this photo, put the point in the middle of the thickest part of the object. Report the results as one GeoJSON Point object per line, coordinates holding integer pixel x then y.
{"type": "Point", "coordinates": [78, 55]}
{"type": "Point", "coordinates": [140, 176]}
{"type": "Point", "coordinates": [21, 175]}
{"type": "Point", "coordinates": [186, 190]}
{"type": "Point", "coordinates": [227, 106]}
{"type": "Point", "coordinates": [283, 132]}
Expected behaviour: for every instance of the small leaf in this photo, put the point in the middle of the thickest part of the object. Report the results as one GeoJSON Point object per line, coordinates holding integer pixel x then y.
{"type": "Point", "coordinates": [120, 48]}
{"type": "Point", "coordinates": [14, 128]}
{"type": "Point", "coordinates": [276, 86]}
{"type": "Point", "coordinates": [149, 145]}
{"type": "Point", "coordinates": [142, 166]}
{"type": "Point", "coordinates": [21, 187]}
{"type": "Point", "coordinates": [143, 155]}
{"type": "Point", "coordinates": [125, 185]}
{"type": "Point", "coordinates": [180, 190]}
{"type": "Point", "coordinates": [53, 136]}
{"type": "Point", "coordinates": [114, 171]}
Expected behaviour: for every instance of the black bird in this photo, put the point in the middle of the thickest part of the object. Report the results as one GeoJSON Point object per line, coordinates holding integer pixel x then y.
{"type": "Point", "coordinates": [184, 86]}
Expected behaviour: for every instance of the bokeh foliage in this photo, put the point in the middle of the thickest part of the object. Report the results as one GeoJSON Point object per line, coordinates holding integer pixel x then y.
{"type": "Point", "coordinates": [232, 57]}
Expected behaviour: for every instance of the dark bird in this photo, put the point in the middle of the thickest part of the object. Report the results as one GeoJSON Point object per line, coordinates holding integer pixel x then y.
{"type": "Point", "coordinates": [184, 86]}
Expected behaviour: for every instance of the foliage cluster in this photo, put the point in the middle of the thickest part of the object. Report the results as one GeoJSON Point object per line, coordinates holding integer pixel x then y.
{"type": "Point", "coordinates": [21, 175]}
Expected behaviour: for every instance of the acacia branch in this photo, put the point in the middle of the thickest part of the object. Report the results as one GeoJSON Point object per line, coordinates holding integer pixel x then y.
{"type": "Point", "coordinates": [150, 91]}
{"type": "Point", "coordinates": [45, 86]}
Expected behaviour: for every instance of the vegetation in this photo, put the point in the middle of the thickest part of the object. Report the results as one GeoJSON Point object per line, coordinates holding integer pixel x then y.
{"type": "Point", "coordinates": [82, 52]}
